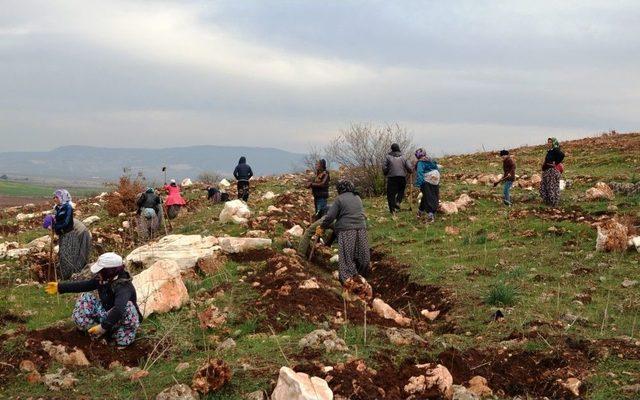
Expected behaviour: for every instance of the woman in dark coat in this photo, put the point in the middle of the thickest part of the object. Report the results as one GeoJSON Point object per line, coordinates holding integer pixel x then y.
{"type": "Point", "coordinates": [74, 239]}
{"type": "Point", "coordinates": [428, 180]}
{"type": "Point", "coordinates": [149, 214]}
{"type": "Point", "coordinates": [114, 312]}
{"type": "Point", "coordinates": [552, 169]}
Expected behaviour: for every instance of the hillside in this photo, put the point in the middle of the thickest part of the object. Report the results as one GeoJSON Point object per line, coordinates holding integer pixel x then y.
{"type": "Point", "coordinates": [83, 162]}
{"type": "Point", "coordinates": [518, 296]}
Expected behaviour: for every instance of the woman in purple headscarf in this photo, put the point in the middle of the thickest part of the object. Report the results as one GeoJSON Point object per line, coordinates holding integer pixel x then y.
{"type": "Point", "coordinates": [74, 239]}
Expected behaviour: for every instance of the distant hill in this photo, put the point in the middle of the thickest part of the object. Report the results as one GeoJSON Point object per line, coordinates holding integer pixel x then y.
{"type": "Point", "coordinates": [96, 163]}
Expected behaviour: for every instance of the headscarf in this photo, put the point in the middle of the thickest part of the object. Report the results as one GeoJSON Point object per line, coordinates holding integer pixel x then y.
{"type": "Point", "coordinates": [108, 274]}
{"type": "Point", "coordinates": [554, 143]}
{"type": "Point", "coordinates": [243, 160]}
{"type": "Point", "coordinates": [395, 147]}
{"type": "Point", "coordinates": [421, 154]}
{"type": "Point", "coordinates": [63, 195]}
{"type": "Point", "coordinates": [344, 186]}
{"type": "Point", "coordinates": [150, 190]}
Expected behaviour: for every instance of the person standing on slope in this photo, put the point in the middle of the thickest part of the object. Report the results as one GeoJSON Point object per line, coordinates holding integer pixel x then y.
{"type": "Point", "coordinates": [174, 199]}
{"type": "Point", "coordinates": [552, 168]}
{"type": "Point", "coordinates": [243, 174]}
{"type": "Point", "coordinates": [428, 180]}
{"type": "Point", "coordinates": [395, 169]}
{"type": "Point", "coordinates": [508, 176]}
{"type": "Point", "coordinates": [320, 187]}
{"type": "Point", "coordinates": [149, 214]}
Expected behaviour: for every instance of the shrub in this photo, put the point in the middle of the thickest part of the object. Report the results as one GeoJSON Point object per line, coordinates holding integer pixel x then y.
{"type": "Point", "coordinates": [501, 294]}
{"type": "Point", "coordinates": [123, 199]}
{"type": "Point", "coordinates": [209, 178]}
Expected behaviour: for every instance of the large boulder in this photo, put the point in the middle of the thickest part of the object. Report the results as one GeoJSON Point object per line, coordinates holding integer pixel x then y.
{"type": "Point", "coordinates": [612, 236]}
{"type": "Point", "coordinates": [601, 191]}
{"type": "Point", "coordinates": [298, 386]}
{"type": "Point", "coordinates": [185, 250]}
{"type": "Point", "coordinates": [40, 243]}
{"type": "Point", "coordinates": [91, 220]}
{"type": "Point", "coordinates": [233, 245]}
{"type": "Point", "coordinates": [160, 288]}
{"type": "Point", "coordinates": [235, 211]}
{"type": "Point", "coordinates": [448, 207]}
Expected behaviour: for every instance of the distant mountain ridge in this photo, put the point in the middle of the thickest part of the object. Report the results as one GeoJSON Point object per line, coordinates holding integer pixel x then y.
{"type": "Point", "coordinates": [100, 163]}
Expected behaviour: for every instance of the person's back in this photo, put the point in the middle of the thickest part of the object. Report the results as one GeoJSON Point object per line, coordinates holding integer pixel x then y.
{"type": "Point", "coordinates": [243, 171]}
{"type": "Point", "coordinates": [348, 212]}
{"type": "Point", "coordinates": [396, 165]}
{"type": "Point", "coordinates": [149, 200]}
{"type": "Point", "coordinates": [509, 169]}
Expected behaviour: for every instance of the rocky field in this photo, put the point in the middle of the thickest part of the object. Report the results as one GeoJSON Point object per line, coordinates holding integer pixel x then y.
{"type": "Point", "coordinates": [524, 302]}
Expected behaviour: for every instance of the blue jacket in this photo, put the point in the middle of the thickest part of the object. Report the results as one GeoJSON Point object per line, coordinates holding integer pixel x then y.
{"type": "Point", "coordinates": [64, 219]}
{"type": "Point", "coordinates": [422, 168]}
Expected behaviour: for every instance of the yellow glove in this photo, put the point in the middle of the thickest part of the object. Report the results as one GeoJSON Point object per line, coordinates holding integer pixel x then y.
{"type": "Point", "coordinates": [319, 231]}
{"type": "Point", "coordinates": [51, 287]}
{"type": "Point", "coordinates": [96, 330]}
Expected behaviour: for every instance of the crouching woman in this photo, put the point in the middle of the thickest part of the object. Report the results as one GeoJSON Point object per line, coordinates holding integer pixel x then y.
{"type": "Point", "coordinates": [351, 228]}
{"type": "Point", "coordinates": [114, 312]}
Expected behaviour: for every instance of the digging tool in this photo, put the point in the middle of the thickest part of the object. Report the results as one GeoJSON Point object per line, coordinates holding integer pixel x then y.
{"type": "Point", "coordinates": [410, 194]}
{"type": "Point", "coordinates": [164, 169]}
{"type": "Point", "coordinates": [52, 264]}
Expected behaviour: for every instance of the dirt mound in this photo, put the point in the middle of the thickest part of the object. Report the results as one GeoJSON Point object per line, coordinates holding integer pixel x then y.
{"type": "Point", "coordinates": [97, 352]}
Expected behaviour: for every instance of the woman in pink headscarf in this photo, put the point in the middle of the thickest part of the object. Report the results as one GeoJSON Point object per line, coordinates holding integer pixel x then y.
{"type": "Point", "coordinates": [174, 200]}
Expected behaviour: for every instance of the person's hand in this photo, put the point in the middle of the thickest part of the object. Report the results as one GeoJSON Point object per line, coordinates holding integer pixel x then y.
{"type": "Point", "coordinates": [51, 288]}
{"type": "Point", "coordinates": [96, 330]}
{"type": "Point", "coordinates": [319, 231]}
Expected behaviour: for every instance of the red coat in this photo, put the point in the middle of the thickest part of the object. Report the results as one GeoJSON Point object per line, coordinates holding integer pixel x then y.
{"type": "Point", "coordinates": [174, 197]}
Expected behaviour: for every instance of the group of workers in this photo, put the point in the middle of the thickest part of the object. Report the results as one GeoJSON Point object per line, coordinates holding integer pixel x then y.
{"type": "Point", "coordinates": [114, 311]}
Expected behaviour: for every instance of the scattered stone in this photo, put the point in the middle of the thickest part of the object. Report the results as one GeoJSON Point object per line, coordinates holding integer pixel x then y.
{"type": "Point", "coordinates": [59, 353]}
{"type": "Point", "coordinates": [184, 250]}
{"type": "Point", "coordinates": [40, 243]}
{"type": "Point", "coordinates": [612, 236]}
{"type": "Point", "coordinates": [213, 375]}
{"type": "Point", "coordinates": [296, 231]}
{"type": "Point", "coordinates": [289, 251]}
{"type": "Point", "coordinates": [181, 367]}
{"type": "Point", "coordinates": [463, 201]}
{"type": "Point", "coordinates": [211, 318]}
{"type": "Point", "coordinates": [27, 366]}
{"type": "Point", "coordinates": [178, 391]}
{"type": "Point", "coordinates": [160, 288]}
{"type": "Point", "coordinates": [256, 234]}
{"type": "Point", "coordinates": [257, 395]}
{"type": "Point", "coordinates": [437, 382]}
{"type": "Point", "coordinates": [273, 209]}
{"type": "Point", "coordinates": [573, 385]}
{"type": "Point", "coordinates": [228, 344]}
{"type": "Point", "coordinates": [186, 182]}
{"type": "Point", "coordinates": [114, 365]}
{"type": "Point", "coordinates": [403, 337]}
{"type": "Point", "coordinates": [235, 211]}
{"type": "Point", "coordinates": [211, 265]}
{"type": "Point", "coordinates": [635, 242]}
{"type": "Point", "coordinates": [268, 196]}
{"type": "Point", "coordinates": [430, 315]}
{"type": "Point", "coordinates": [478, 386]}
{"type": "Point", "coordinates": [59, 380]}
{"type": "Point", "coordinates": [91, 220]}
{"type": "Point", "coordinates": [310, 284]}
{"type": "Point", "coordinates": [627, 283]}
{"type": "Point", "coordinates": [631, 389]}
{"type": "Point", "coordinates": [386, 311]}
{"type": "Point", "coordinates": [126, 224]}
{"type": "Point", "coordinates": [139, 374]}
{"type": "Point", "coordinates": [233, 245]}
{"type": "Point", "coordinates": [601, 191]}
{"type": "Point", "coordinates": [298, 386]}
{"type": "Point", "coordinates": [334, 259]}
{"type": "Point", "coordinates": [322, 338]}
{"type": "Point", "coordinates": [452, 230]}
{"type": "Point", "coordinates": [448, 207]}
{"type": "Point", "coordinates": [462, 393]}
{"type": "Point", "coordinates": [25, 217]}
{"type": "Point", "coordinates": [359, 287]}
{"type": "Point", "coordinates": [34, 377]}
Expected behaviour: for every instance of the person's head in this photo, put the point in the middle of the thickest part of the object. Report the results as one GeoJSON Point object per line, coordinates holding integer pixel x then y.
{"type": "Point", "coordinates": [552, 143]}
{"type": "Point", "coordinates": [321, 165]}
{"type": "Point", "coordinates": [243, 160]}
{"type": "Point", "coordinates": [395, 147]}
{"type": "Point", "coordinates": [173, 182]}
{"type": "Point", "coordinates": [108, 266]}
{"type": "Point", "coordinates": [345, 186]}
{"type": "Point", "coordinates": [504, 154]}
{"type": "Point", "coordinates": [420, 153]}
{"type": "Point", "coordinates": [61, 196]}
{"type": "Point", "coordinates": [149, 190]}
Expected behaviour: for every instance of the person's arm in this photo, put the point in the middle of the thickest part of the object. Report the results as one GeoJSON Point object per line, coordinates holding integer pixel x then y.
{"type": "Point", "coordinates": [122, 296]}
{"type": "Point", "coordinates": [385, 167]}
{"type": "Point", "coordinates": [78, 286]}
{"type": "Point", "coordinates": [235, 173]}
{"type": "Point", "coordinates": [68, 219]}
{"type": "Point", "coordinates": [322, 182]}
{"type": "Point", "coordinates": [250, 174]}
{"type": "Point", "coordinates": [407, 166]}
{"type": "Point", "coordinates": [332, 214]}
{"type": "Point", "coordinates": [560, 156]}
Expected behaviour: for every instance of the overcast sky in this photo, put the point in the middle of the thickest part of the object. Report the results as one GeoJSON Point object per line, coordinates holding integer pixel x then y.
{"type": "Point", "coordinates": [288, 74]}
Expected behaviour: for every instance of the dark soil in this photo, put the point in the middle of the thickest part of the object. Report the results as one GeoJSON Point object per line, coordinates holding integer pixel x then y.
{"type": "Point", "coordinates": [255, 255]}
{"type": "Point", "coordinates": [7, 318]}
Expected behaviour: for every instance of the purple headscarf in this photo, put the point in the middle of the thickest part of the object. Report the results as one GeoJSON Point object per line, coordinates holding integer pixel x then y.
{"type": "Point", "coordinates": [62, 195]}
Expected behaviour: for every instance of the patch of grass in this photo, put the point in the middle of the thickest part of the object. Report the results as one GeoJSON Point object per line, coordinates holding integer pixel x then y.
{"type": "Point", "coordinates": [501, 294]}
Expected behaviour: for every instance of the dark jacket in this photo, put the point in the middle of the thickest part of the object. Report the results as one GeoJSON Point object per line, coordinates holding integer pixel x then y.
{"type": "Point", "coordinates": [243, 171]}
{"type": "Point", "coordinates": [347, 212]}
{"type": "Point", "coordinates": [508, 169]}
{"type": "Point", "coordinates": [113, 295]}
{"type": "Point", "coordinates": [149, 200]}
{"type": "Point", "coordinates": [395, 164]}
{"type": "Point", "coordinates": [320, 185]}
{"type": "Point", "coordinates": [553, 158]}
{"type": "Point", "coordinates": [64, 219]}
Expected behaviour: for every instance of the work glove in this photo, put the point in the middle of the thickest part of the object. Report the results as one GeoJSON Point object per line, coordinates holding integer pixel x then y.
{"type": "Point", "coordinates": [96, 330]}
{"type": "Point", "coordinates": [319, 231]}
{"type": "Point", "coordinates": [51, 288]}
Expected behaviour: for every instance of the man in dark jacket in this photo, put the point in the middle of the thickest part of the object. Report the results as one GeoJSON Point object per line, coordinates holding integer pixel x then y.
{"type": "Point", "coordinates": [320, 187]}
{"type": "Point", "coordinates": [395, 169]}
{"type": "Point", "coordinates": [243, 174]}
{"type": "Point", "coordinates": [508, 176]}
{"type": "Point", "coordinates": [115, 311]}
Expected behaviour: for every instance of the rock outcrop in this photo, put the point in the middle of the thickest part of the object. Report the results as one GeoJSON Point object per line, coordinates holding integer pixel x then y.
{"type": "Point", "coordinates": [299, 386]}
{"type": "Point", "coordinates": [160, 288]}
{"type": "Point", "coordinates": [184, 250]}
